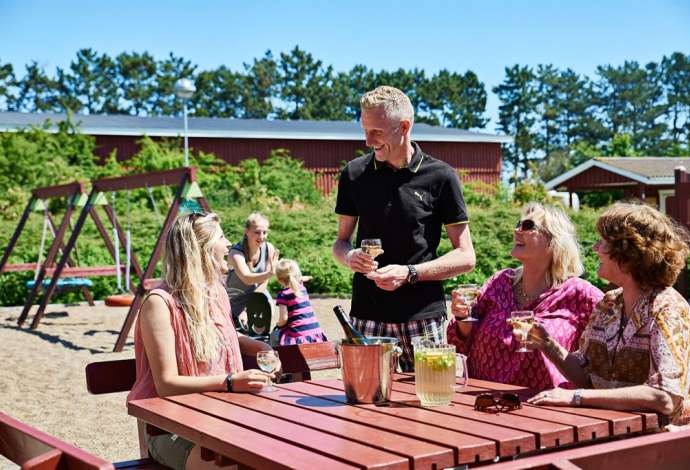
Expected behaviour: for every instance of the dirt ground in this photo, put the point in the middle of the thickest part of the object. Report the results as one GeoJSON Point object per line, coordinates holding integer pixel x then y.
{"type": "Point", "coordinates": [42, 381]}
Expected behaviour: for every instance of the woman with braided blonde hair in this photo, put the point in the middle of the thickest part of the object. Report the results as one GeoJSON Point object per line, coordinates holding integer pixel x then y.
{"type": "Point", "coordinates": [184, 340]}
{"type": "Point", "coordinates": [635, 352]}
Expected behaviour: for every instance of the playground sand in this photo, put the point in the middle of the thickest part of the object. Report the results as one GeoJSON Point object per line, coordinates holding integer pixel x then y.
{"type": "Point", "coordinates": [42, 380]}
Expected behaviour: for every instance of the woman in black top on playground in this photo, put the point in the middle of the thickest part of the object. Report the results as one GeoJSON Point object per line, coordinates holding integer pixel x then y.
{"type": "Point", "coordinates": [252, 264]}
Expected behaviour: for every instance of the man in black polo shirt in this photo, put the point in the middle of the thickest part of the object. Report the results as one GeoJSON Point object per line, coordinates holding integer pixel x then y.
{"type": "Point", "coordinates": [404, 197]}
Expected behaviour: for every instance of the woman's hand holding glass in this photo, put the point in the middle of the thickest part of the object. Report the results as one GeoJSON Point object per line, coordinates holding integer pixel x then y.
{"type": "Point", "coordinates": [463, 299]}
{"type": "Point", "coordinates": [536, 339]}
{"type": "Point", "coordinates": [251, 380]}
{"type": "Point", "coordinates": [269, 362]}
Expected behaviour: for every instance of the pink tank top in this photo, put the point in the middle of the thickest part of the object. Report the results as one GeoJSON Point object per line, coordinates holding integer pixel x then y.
{"type": "Point", "coordinates": [229, 358]}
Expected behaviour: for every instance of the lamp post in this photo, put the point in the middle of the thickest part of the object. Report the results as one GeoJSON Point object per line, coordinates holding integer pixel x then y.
{"type": "Point", "coordinates": [184, 89]}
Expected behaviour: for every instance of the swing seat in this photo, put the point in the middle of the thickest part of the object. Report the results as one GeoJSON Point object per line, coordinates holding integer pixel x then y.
{"type": "Point", "coordinates": [119, 300]}
{"type": "Point", "coordinates": [64, 283]}
{"type": "Point", "coordinates": [259, 315]}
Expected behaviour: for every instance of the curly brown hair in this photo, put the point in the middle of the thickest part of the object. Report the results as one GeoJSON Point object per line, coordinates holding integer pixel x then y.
{"type": "Point", "coordinates": [645, 243]}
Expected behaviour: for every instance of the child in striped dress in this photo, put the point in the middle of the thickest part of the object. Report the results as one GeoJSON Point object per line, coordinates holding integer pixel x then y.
{"type": "Point", "coordinates": [296, 318]}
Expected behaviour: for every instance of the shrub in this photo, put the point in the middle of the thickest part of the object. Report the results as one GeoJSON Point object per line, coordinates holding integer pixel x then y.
{"type": "Point", "coordinates": [529, 191]}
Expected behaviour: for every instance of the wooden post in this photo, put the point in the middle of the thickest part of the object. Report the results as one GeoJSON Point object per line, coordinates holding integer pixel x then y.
{"type": "Point", "coordinates": [50, 259]}
{"type": "Point", "coordinates": [58, 268]}
{"type": "Point", "coordinates": [70, 262]}
{"type": "Point", "coordinates": [15, 235]}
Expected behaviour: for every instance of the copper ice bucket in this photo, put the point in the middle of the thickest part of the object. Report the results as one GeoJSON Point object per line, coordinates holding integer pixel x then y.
{"type": "Point", "coordinates": [368, 369]}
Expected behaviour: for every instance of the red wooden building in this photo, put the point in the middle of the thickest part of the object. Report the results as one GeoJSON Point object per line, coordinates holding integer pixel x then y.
{"type": "Point", "coordinates": [650, 179]}
{"type": "Point", "coordinates": [322, 145]}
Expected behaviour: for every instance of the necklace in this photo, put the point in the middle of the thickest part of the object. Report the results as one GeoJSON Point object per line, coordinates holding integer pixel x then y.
{"type": "Point", "coordinates": [522, 297]}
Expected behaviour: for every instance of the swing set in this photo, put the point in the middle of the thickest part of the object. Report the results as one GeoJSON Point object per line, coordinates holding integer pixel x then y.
{"type": "Point", "coordinates": [187, 194]}
{"type": "Point", "coordinates": [40, 202]}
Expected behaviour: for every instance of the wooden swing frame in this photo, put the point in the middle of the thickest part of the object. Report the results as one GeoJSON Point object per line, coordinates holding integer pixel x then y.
{"type": "Point", "coordinates": [185, 181]}
{"type": "Point", "coordinates": [75, 194]}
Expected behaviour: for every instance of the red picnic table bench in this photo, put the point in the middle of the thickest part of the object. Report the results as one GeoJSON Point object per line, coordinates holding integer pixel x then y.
{"type": "Point", "coordinates": [32, 449]}
{"type": "Point", "coordinates": [310, 425]}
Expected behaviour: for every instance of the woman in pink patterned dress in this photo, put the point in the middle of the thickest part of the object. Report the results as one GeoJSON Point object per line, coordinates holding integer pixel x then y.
{"type": "Point", "coordinates": [184, 340]}
{"type": "Point", "coordinates": [547, 282]}
{"type": "Point", "coordinates": [635, 352]}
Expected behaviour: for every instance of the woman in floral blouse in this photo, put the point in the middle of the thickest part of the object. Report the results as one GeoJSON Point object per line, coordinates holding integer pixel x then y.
{"type": "Point", "coordinates": [635, 352]}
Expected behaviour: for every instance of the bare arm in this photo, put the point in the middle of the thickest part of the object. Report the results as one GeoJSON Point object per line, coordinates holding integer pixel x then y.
{"type": "Point", "coordinates": [249, 346]}
{"type": "Point", "coordinates": [159, 345]}
{"type": "Point", "coordinates": [246, 275]}
{"type": "Point", "coordinates": [633, 398]}
{"type": "Point", "coordinates": [282, 315]}
{"type": "Point", "coordinates": [637, 397]}
{"type": "Point", "coordinates": [566, 362]}
{"type": "Point", "coordinates": [459, 260]}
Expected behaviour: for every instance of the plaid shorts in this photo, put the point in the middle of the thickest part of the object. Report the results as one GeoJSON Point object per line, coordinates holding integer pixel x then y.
{"type": "Point", "coordinates": [429, 329]}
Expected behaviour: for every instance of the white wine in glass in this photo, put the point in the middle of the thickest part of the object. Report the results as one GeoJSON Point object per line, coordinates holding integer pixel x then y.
{"type": "Point", "coordinates": [522, 320]}
{"type": "Point", "coordinates": [372, 246]}
{"type": "Point", "coordinates": [468, 293]}
{"type": "Point", "coordinates": [269, 362]}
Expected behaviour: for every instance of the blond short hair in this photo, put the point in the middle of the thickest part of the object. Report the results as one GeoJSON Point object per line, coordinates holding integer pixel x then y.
{"type": "Point", "coordinates": [565, 250]}
{"type": "Point", "coordinates": [395, 103]}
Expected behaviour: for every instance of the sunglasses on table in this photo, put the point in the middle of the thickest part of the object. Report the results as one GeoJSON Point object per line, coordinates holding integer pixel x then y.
{"type": "Point", "coordinates": [494, 404]}
{"type": "Point", "coordinates": [526, 225]}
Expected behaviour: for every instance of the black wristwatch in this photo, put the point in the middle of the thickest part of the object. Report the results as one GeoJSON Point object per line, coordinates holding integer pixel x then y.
{"type": "Point", "coordinates": [412, 274]}
{"type": "Point", "coordinates": [228, 382]}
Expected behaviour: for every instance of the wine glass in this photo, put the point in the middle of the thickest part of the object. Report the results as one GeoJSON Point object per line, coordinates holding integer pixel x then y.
{"type": "Point", "coordinates": [468, 293]}
{"type": "Point", "coordinates": [522, 320]}
{"type": "Point", "coordinates": [268, 361]}
{"type": "Point", "coordinates": [372, 246]}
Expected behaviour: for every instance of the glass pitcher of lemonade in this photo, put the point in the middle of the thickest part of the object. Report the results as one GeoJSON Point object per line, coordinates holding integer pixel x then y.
{"type": "Point", "coordinates": [436, 368]}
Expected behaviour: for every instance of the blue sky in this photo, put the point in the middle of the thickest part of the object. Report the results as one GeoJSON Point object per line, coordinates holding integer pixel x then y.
{"type": "Point", "coordinates": [483, 36]}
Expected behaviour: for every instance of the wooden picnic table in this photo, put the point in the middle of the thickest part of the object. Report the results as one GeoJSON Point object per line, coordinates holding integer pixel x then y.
{"type": "Point", "coordinates": [309, 425]}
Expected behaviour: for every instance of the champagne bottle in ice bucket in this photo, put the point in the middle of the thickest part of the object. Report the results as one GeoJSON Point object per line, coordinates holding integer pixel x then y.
{"type": "Point", "coordinates": [352, 334]}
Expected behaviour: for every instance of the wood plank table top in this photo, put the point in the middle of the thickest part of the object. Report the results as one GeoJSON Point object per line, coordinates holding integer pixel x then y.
{"type": "Point", "coordinates": [310, 425]}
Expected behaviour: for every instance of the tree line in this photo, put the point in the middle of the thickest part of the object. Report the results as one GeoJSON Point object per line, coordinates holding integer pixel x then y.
{"type": "Point", "coordinates": [558, 117]}
{"type": "Point", "coordinates": [293, 85]}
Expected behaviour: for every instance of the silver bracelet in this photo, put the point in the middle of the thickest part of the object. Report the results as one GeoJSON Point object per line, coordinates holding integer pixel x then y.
{"type": "Point", "coordinates": [577, 397]}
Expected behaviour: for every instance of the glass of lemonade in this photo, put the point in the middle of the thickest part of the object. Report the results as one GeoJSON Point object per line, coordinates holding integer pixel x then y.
{"type": "Point", "coordinates": [268, 361]}
{"type": "Point", "coordinates": [522, 320]}
{"type": "Point", "coordinates": [468, 293]}
{"type": "Point", "coordinates": [436, 366]}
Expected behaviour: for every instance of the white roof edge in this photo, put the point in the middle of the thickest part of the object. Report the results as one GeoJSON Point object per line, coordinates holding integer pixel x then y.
{"type": "Point", "coordinates": [237, 134]}
{"type": "Point", "coordinates": [554, 183]}
{"type": "Point", "coordinates": [569, 174]}
{"type": "Point", "coordinates": [662, 180]}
